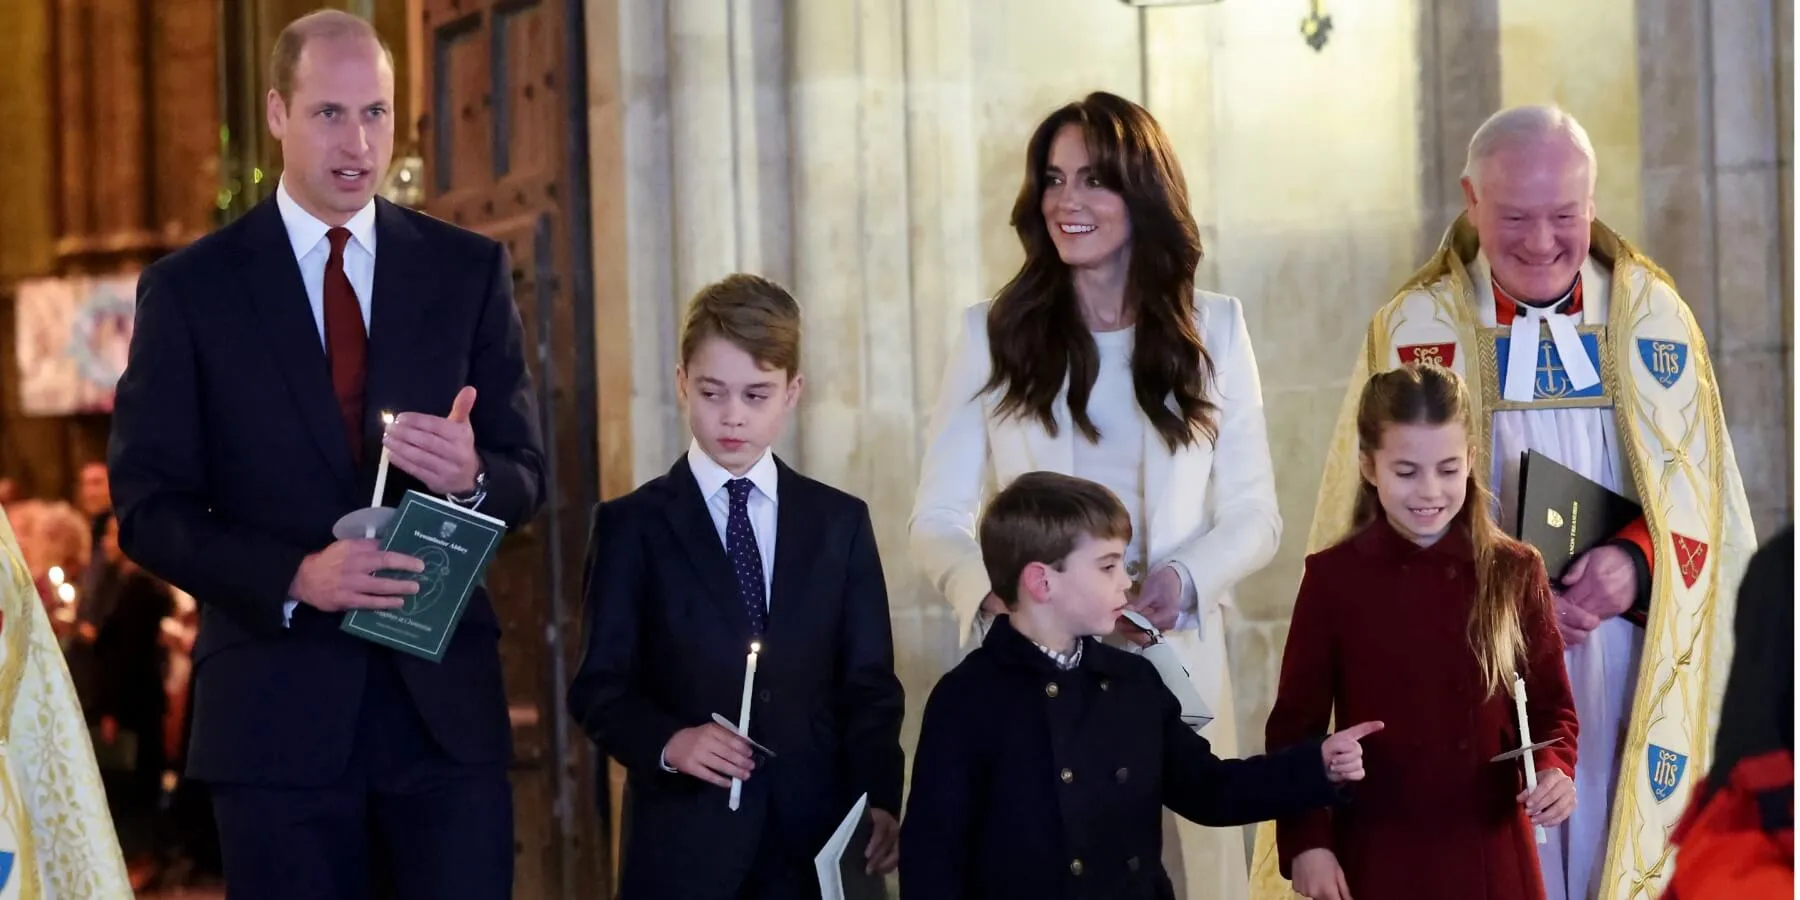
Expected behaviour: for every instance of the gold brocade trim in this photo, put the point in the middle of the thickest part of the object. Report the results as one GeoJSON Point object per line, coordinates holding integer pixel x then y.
{"type": "Point", "coordinates": [1489, 349]}
{"type": "Point", "coordinates": [18, 644]}
{"type": "Point", "coordinates": [15, 630]}
{"type": "Point", "coordinates": [25, 865]}
{"type": "Point", "coordinates": [1631, 308]}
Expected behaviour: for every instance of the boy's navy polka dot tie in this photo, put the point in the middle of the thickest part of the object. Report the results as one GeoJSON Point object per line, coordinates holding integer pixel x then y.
{"type": "Point", "coordinates": [746, 560]}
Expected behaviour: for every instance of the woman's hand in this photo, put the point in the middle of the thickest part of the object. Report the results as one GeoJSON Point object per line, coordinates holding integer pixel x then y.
{"type": "Point", "coordinates": [1160, 599]}
{"type": "Point", "coordinates": [1318, 875]}
{"type": "Point", "coordinates": [1129, 630]}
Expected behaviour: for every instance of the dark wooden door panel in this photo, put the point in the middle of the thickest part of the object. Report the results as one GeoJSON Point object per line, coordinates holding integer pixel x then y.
{"type": "Point", "coordinates": [504, 142]}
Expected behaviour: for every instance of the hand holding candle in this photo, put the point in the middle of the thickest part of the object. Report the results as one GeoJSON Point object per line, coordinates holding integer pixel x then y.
{"type": "Point", "coordinates": [1550, 803]}
{"type": "Point", "coordinates": [743, 722]}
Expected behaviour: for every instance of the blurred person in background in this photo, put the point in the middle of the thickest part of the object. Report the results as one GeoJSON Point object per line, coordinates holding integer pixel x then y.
{"type": "Point", "coordinates": [57, 543]}
{"type": "Point", "coordinates": [121, 625]}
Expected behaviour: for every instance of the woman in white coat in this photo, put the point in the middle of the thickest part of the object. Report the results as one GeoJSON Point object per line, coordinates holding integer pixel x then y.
{"type": "Point", "coordinates": [1100, 359]}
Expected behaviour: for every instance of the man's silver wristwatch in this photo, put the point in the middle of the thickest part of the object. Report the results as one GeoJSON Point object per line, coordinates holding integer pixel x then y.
{"type": "Point", "coordinates": [473, 498]}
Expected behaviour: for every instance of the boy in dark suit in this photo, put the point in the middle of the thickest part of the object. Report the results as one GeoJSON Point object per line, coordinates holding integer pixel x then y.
{"type": "Point", "coordinates": [1045, 757]}
{"type": "Point", "coordinates": [729, 548]}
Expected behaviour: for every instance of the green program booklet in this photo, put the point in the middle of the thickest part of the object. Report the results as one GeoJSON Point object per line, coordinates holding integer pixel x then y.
{"type": "Point", "coordinates": [455, 544]}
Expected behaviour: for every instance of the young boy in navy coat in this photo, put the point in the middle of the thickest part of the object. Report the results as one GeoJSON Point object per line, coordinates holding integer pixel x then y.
{"type": "Point", "coordinates": [1045, 758]}
{"type": "Point", "coordinates": [732, 547]}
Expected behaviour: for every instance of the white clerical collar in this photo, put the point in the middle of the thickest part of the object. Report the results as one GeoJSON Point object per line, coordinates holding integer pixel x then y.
{"type": "Point", "coordinates": [712, 477]}
{"type": "Point", "coordinates": [1522, 354]}
{"type": "Point", "coordinates": [305, 231]}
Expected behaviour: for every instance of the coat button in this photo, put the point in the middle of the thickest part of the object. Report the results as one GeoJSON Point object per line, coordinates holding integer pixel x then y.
{"type": "Point", "coordinates": [1123, 774]}
{"type": "Point", "coordinates": [763, 695]}
{"type": "Point", "coordinates": [1075, 867]}
{"type": "Point", "coordinates": [1131, 864]}
{"type": "Point", "coordinates": [1050, 690]}
{"type": "Point", "coordinates": [1068, 776]}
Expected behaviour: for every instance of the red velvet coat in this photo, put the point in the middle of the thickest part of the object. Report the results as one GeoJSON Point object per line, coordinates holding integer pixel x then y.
{"type": "Point", "coordinates": [1380, 632]}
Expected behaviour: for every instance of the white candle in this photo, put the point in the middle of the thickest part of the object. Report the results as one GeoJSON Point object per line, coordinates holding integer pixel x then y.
{"type": "Point", "coordinates": [387, 421]}
{"type": "Point", "coordinates": [1525, 741]}
{"type": "Point", "coordinates": [737, 785]}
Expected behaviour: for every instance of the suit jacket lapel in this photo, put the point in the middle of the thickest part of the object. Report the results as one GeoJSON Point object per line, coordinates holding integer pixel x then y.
{"type": "Point", "coordinates": [796, 542]}
{"type": "Point", "coordinates": [404, 287]}
{"type": "Point", "coordinates": [272, 281]}
{"type": "Point", "coordinates": [699, 539]}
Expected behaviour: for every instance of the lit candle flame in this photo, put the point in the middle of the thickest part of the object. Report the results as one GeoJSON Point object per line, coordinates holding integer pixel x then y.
{"type": "Point", "coordinates": [56, 575]}
{"type": "Point", "coordinates": [756, 646]}
{"type": "Point", "coordinates": [387, 418]}
{"type": "Point", "coordinates": [67, 593]}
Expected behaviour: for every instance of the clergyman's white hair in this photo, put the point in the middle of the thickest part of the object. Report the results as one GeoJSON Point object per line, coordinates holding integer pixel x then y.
{"type": "Point", "coordinates": [1524, 124]}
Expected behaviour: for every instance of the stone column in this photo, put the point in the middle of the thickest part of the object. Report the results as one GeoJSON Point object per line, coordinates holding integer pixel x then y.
{"type": "Point", "coordinates": [854, 227]}
{"type": "Point", "coordinates": [1584, 58]}
{"type": "Point", "coordinates": [1459, 87]}
{"type": "Point", "coordinates": [706, 180]}
{"type": "Point", "coordinates": [646, 204]}
{"type": "Point", "coordinates": [1716, 81]}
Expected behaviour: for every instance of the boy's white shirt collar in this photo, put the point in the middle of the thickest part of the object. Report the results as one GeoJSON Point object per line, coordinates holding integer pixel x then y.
{"type": "Point", "coordinates": [711, 476]}
{"type": "Point", "coordinates": [305, 231]}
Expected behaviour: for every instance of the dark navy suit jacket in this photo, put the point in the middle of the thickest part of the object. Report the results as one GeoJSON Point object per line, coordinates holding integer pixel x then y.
{"type": "Point", "coordinates": [229, 464]}
{"type": "Point", "coordinates": [667, 636]}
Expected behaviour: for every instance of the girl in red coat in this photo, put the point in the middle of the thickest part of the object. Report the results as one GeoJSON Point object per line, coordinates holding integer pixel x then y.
{"type": "Point", "coordinates": [1421, 618]}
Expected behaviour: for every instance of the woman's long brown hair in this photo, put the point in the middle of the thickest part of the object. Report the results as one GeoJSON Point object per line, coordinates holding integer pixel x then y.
{"type": "Point", "coordinates": [1425, 394]}
{"type": "Point", "coordinates": [1036, 336]}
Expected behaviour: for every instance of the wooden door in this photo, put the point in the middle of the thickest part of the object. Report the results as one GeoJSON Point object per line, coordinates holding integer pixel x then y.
{"type": "Point", "coordinates": [504, 140]}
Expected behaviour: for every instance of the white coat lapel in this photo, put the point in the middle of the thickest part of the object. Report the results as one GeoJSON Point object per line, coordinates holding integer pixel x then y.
{"type": "Point", "coordinates": [1021, 444]}
{"type": "Point", "coordinates": [1175, 492]}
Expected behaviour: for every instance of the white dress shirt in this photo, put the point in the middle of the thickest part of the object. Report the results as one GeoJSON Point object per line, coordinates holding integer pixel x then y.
{"type": "Point", "coordinates": [311, 249]}
{"type": "Point", "coordinates": [762, 504]}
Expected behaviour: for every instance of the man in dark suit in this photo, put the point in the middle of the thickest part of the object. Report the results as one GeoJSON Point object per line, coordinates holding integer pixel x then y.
{"type": "Point", "coordinates": [247, 423]}
{"type": "Point", "coordinates": [684, 573]}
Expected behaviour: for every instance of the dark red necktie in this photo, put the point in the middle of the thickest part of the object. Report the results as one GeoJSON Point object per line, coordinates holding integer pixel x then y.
{"type": "Point", "coordinates": [346, 342]}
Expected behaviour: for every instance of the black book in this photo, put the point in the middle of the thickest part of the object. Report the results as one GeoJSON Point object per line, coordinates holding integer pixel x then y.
{"type": "Point", "coordinates": [1564, 515]}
